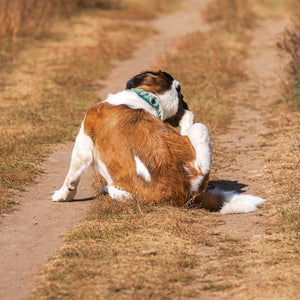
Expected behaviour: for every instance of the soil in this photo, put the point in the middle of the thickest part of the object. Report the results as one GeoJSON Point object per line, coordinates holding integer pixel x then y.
{"type": "Point", "coordinates": [32, 233]}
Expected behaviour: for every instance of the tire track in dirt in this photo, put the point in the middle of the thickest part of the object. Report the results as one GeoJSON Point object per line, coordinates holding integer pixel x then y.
{"type": "Point", "coordinates": [30, 235]}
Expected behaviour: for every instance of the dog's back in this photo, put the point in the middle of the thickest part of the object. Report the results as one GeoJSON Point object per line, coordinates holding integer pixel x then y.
{"type": "Point", "coordinates": [142, 155]}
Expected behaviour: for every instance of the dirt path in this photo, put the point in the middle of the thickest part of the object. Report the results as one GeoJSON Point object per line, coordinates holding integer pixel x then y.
{"type": "Point", "coordinates": [253, 103]}
{"type": "Point", "coordinates": [253, 99]}
{"type": "Point", "coordinates": [30, 235]}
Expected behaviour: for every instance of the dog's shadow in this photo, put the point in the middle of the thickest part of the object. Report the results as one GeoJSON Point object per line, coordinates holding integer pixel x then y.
{"type": "Point", "coordinates": [227, 186]}
{"type": "Point", "coordinates": [84, 199]}
{"type": "Point", "coordinates": [224, 185]}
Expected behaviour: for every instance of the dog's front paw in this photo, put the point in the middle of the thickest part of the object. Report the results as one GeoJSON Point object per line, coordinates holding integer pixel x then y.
{"type": "Point", "coordinates": [63, 195]}
{"type": "Point", "coordinates": [186, 121]}
{"type": "Point", "coordinates": [59, 195]}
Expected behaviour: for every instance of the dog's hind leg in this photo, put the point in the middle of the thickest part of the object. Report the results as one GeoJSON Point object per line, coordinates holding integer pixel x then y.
{"type": "Point", "coordinates": [82, 157]}
{"type": "Point", "coordinates": [226, 202]}
{"type": "Point", "coordinates": [199, 137]}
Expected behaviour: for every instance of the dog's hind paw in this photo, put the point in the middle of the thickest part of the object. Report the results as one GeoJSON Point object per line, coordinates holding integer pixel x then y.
{"type": "Point", "coordinates": [186, 121]}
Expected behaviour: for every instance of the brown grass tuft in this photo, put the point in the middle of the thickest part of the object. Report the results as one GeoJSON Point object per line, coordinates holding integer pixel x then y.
{"type": "Point", "coordinates": [290, 44]}
{"type": "Point", "coordinates": [84, 66]}
{"type": "Point", "coordinates": [35, 17]}
{"type": "Point", "coordinates": [127, 249]}
{"type": "Point", "coordinates": [48, 88]}
{"type": "Point", "coordinates": [19, 17]}
{"type": "Point", "coordinates": [234, 15]}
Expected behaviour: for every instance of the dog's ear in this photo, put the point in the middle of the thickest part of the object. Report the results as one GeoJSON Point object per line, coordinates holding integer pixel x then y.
{"type": "Point", "coordinates": [130, 84]}
{"type": "Point", "coordinates": [137, 80]}
{"type": "Point", "coordinates": [159, 82]}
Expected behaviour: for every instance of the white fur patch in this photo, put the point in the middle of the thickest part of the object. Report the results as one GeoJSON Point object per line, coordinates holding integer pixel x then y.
{"type": "Point", "coordinates": [103, 170]}
{"type": "Point", "coordinates": [63, 194]}
{"type": "Point", "coordinates": [118, 194]}
{"type": "Point", "coordinates": [141, 169]}
{"type": "Point", "coordinates": [195, 183]}
{"type": "Point", "coordinates": [237, 203]}
{"type": "Point", "coordinates": [169, 102]}
{"type": "Point", "coordinates": [82, 157]}
{"type": "Point", "coordinates": [131, 99]}
{"type": "Point", "coordinates": [186, 122]}
{"type": "Point", "coordinates": [199, 137]}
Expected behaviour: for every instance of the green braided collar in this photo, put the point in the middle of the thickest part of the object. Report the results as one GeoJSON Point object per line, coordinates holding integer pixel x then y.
{"type": "Point", "coordinates": [150, 99]}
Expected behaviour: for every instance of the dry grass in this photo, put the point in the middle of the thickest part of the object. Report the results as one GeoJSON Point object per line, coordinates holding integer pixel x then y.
{"type": "Point", "coordinates": [143, 251]}
{"type": "Point", "coordinates": [123, 251]}
{"type": "Point", "coordinates": [284, 161]}
{"type": "Point", "coordinates": [135, 251]}
{"type": "Point", "coordinates": [19, 17]}
{"type": "Point", "coordinates": [273, 253]}
{"type": "Point", "coordinates": [35, 18]}
{"type": "Point", "coordinates": [279, 8]}
{"type": "Point", "coordinates": [234, 15]}
{"type": "Point", "coordinates": [283, 167]}
{"type": "Point", "coordinates": [48, 87]}
{"type": "Point", "coordinates": [23, 21]}
{"type": "Point", "coordinates": [89, 64]}
{"type": "Point", "coordinates": [291, 45]}
{"type": "Point", "coordinates": [268, 266]}
{"type": "Point", "coordinates": [207, 74]}
{"type": "Point", "coordinates": [145, 10]}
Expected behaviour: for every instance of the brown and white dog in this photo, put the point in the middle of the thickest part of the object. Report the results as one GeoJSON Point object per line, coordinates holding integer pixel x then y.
{"type": "Point", "coordinates": [128, 137]}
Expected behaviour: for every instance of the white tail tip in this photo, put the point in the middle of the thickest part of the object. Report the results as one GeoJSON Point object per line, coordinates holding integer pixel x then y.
{"type": "Point", "coordinates": [237, 203]}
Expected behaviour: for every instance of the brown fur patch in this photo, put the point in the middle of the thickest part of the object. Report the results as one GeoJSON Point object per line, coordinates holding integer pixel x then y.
{"type": "Point", "coordinates": [120, 133]}
{"type": "Point", "coordinates": [154, 82]}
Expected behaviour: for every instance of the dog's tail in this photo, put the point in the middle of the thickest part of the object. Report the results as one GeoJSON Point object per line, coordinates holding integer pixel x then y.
{"type": "Point", "coordinates": [229, 202]}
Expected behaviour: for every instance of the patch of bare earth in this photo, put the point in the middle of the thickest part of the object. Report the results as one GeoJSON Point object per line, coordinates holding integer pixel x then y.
{"type": "Point", "coordinates": [244, 256]}
{"type": "Point", "coordinates": [30, 235]}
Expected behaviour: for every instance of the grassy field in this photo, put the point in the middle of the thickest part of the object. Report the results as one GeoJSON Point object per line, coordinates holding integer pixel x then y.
{"type": "Point", "coordinates": [49, 74]}
{"type": "Point", "coordinates": [34, 18]}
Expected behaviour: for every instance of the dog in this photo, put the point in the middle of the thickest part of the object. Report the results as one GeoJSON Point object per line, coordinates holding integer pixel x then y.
{"type": "Point", "coordinates": [131, 140]}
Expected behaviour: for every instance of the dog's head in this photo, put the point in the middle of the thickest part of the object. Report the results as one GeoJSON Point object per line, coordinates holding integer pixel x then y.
{"type": "Point", "coordinates": [168, 91]}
